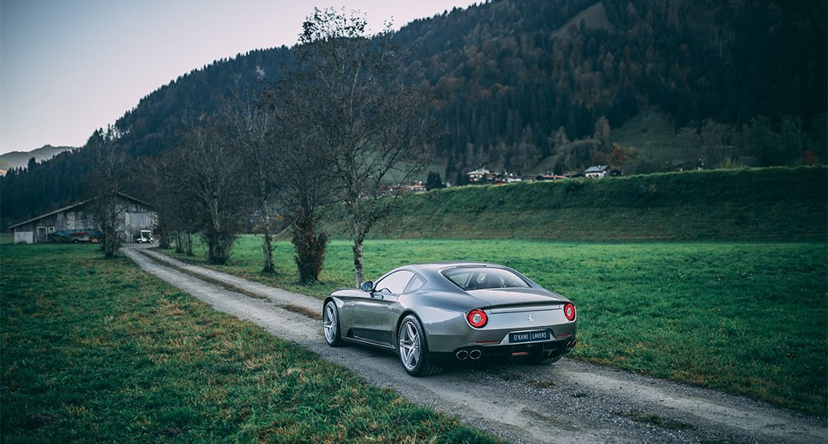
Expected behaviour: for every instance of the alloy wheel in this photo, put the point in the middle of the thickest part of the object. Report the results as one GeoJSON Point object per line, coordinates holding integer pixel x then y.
{"type": "Point", "coordinates": [409, 346]}
{"type": "Point", "coordinates": [329, 322]}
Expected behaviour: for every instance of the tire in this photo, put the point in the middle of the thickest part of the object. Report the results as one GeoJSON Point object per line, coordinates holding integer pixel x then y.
{"type": "Point", "coordinates": [413, 349]}
{"type": "Point", "coordinates": [75, 241]}
{"type": "Point", "coordinates": [330, 325]}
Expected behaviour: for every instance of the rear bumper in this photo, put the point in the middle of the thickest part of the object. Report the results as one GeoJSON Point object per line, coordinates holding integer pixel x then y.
{"type": "Point", "coordinates": [473, 353]}
{"type": "Point", "coordinates": [461, 335]}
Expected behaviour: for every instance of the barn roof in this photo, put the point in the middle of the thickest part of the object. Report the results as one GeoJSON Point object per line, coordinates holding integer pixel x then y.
{"type": "Point", "coordinates": [69, 207]}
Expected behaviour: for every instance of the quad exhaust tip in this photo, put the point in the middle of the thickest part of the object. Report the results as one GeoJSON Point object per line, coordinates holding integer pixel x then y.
{"type": "Point", "coordinates": [475, 354]}
{"type": "Point", "coordinates": [462, 354]}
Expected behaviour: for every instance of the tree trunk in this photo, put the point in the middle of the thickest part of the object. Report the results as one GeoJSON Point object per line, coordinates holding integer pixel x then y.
{"type": "Point", "coordinates": [189, 244]}
{"type": "Point", "coordinates": [110, 243]}
{"type": "Point", "coordinates": [268, 238]}
{"type": "Point", "coordinates": [268, 244]}
{"type": "Point", "coordinates": [179, 243]}
{"type": "Point", "coordinates": [358, 239]}
{"type": "Point", "coordinates": [163, 237]}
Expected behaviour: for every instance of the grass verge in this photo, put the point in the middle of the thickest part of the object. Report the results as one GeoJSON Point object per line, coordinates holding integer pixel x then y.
{"type": "Point", "coordinates": [95, 350]}
{"type": "Point", "coordinates": [749, 318]}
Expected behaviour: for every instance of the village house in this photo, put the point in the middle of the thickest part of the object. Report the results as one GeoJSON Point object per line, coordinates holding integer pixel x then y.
{"type": "Point", "coordinates": [416, 186]}
{"type": "Point", "coordinates": [480, 175]}
{"type": "Point", "coordinates": [134, 215]}
{"type": "Point", "coordinates": [596, 171]}
{"type": "Point", "coordinates": [508, 177]}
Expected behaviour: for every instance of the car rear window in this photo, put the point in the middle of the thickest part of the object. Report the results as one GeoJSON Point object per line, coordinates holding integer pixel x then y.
{"type": "Point", "coordinates": [479, 278]}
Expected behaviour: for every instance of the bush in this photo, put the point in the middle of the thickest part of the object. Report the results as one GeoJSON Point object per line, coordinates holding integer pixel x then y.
{"type": "Point", "coordinates": [219, 243]}
{"type": "Point", "coordinates": [310, 246]}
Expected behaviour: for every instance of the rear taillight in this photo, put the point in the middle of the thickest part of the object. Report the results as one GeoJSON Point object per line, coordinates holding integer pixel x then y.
{"type": "Point", "coordinates": [477, 318]}
{"type": "Point", "coordinates": [569, 311]}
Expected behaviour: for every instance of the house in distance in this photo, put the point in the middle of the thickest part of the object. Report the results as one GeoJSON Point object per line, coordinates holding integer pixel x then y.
{"type": "Point", "coordinates": [596, 171]}
{"type": "Point", "coordinates": [134, 215]}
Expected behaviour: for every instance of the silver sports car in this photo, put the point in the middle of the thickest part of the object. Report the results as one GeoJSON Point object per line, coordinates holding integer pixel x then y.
{"type": "Point", "coordinates": [436, 314]}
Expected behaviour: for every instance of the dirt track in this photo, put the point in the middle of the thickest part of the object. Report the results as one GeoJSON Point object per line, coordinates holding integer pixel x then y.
{"type": "Point", "coordinates": [567, 402]}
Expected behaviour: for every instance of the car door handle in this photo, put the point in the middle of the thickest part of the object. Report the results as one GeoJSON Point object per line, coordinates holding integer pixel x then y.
{"type": "Point", "coordinates": [377, 296]}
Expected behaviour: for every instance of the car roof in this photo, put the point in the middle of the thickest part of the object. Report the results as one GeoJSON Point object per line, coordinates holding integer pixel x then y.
{"type": "Point", "coordinates": [438, 266]}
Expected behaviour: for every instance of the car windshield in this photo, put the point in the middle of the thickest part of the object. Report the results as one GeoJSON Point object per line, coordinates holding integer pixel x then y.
{"type": "Point", "coordinates": [479, 278]}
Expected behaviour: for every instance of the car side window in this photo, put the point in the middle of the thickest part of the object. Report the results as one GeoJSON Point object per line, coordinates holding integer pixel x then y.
{"type": "Point", "coordinates": [415, 284]}
{"type": "Point", "coordinates": [394, 283]}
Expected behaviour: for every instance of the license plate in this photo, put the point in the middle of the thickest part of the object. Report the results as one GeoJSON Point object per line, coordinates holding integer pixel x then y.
{"type": "Point", "coordinates": [529, 336]}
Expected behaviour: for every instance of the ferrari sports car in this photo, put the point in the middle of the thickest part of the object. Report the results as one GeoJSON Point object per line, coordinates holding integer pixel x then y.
{"type": "Point", "coordinates": [436, 314]}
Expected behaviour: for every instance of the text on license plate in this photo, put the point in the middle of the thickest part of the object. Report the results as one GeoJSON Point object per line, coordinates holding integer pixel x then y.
{"type": "Point", "coordinates": [528, 336]}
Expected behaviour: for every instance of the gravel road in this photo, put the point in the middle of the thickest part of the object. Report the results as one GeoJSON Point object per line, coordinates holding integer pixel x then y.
{"type": "Point", "coordinates": [569, 401]}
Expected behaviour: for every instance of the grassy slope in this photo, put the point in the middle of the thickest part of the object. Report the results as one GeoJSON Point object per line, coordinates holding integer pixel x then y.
{"type": "Point", "coordinates": [95, 351]}
{"type": "Point", "coordinates": [764, 204]}
{"type": "Point", "coordinates": [749, 318]}
{"type": "Point", "coordinates": [651, 135]}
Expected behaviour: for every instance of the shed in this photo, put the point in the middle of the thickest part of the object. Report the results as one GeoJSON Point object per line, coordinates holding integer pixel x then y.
{"type": "Point", "coordinates": [134, 215]}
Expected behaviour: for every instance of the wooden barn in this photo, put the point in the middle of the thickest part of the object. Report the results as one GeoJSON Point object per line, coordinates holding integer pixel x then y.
{"type": "Point", "coordinates": [134, 215]}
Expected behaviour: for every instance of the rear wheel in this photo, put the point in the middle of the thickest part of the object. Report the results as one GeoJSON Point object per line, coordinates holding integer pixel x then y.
{"type": "Point", "coordinates": [330, 325]}
{"type": "Point", "coordinates": [413, 348]}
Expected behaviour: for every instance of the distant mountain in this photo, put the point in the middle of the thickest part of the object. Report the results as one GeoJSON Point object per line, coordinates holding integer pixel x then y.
{"type": "Point", "coordinates": [19, 159]}
{"type": "Point", "coordinates": [526, 85]}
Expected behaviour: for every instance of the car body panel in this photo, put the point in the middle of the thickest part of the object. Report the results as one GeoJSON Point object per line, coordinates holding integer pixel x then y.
{"type": "Point", "coordinates": [373, 317]}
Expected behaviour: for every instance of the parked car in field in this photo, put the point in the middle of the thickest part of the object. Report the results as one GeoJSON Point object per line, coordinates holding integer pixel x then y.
{"type": "Point", "coordinates": [143, 237]}
{"type": "Point", "coordinates": [436, 314]}
{"type": "Point", "coordinates": [77, 236]}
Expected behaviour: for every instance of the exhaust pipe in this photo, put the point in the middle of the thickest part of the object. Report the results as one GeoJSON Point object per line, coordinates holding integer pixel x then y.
{"type": "Point", "coordinates": [570, 344]}
{"type": "Point", "coordinates": [475, 354]}
{"type": "Point", "coordinates": [462, 354]}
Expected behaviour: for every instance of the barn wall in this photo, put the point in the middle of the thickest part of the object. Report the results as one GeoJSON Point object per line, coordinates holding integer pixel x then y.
{"type": "Point", "coordinates": [23, 237]}
{"type": "Point", "coordinates": [134, 218]}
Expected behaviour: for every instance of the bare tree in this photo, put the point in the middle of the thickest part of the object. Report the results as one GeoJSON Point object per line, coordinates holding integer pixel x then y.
{"type": "Point", "coordinates": [162, 180]}
{"type": "Point", "coordinates": [103, 185]}
{"type": "Point", "coordinates": [209, 171]}
{"type": "Point", "coordinates": [305, 181]}
{"type": "Point", "coordinates": [251, 127]}
{"type": "Point", "coordinates": [370, 127]}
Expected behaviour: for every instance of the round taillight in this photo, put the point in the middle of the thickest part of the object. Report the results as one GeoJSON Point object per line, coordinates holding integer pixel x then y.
{"type": "Point", "coordinates": [477, 318]}
{"type": "Point", "coordinates": [569, 311]}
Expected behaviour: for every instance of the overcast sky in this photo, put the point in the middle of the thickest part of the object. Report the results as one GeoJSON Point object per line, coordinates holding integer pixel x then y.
{"type": "Point", "coordinates": [68, 67]}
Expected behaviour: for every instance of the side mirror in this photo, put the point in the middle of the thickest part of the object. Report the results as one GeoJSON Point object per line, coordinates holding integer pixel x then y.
{"type": "Point", "coordinates": [367, 286]}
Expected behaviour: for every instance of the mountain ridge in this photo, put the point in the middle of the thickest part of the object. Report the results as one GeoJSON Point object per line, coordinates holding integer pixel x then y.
{"type": "Point", "coordinates": [19, 159]}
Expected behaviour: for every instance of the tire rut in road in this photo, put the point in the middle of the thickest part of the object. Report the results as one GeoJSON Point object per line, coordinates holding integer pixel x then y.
{"type": "Point", "coordinates": [567, 402]}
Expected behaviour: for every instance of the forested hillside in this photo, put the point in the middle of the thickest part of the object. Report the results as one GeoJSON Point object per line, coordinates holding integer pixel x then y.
{"type": "Point", "coordinates": [523, 84]}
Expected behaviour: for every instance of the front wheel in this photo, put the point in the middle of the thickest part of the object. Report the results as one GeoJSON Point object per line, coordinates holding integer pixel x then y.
{"type": "Point", "coordinates": [413, 348]}
{"type": "Point", "coordinates": [330, 325]}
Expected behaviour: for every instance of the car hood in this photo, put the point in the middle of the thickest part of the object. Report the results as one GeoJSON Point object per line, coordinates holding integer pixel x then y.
{"type": "Point", "coordinates": [512, 296]}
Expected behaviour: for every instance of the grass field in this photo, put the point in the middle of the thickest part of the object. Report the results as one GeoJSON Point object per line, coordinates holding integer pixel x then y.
{"type": "Point", "coordinates": [96, 351]}
{"type": "Point", "coordinates": [748, 318]}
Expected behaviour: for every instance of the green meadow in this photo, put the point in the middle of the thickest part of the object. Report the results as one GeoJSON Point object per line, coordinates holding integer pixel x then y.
{"type": "Point", "coordinates": [95, 350]}
{"type": "Point", "coordinates": [745, 317]}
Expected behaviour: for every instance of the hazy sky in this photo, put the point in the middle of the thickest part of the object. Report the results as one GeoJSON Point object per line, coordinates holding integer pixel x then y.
{"type": "Point", "coordinates": [68, 67]}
